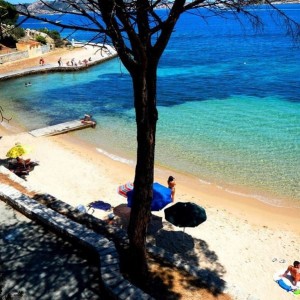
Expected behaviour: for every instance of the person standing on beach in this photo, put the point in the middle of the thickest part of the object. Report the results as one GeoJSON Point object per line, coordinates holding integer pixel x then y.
{"type": "Point", "coordinates": [42, 62]}
{"type": "Point", "coordinates": [59, 62]}
{"type": "Point", "coordinates": [294, 270]}
{"type": "Point", "coordinates": [171, 185]}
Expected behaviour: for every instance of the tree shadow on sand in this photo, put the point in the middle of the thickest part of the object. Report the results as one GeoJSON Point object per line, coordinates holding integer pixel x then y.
{"type": "Point", "coordinates": [36, 264]}
{"type": "Point", "coordinates": [186, 248]}
{"type": "Point", "coordinates": [195, 253]}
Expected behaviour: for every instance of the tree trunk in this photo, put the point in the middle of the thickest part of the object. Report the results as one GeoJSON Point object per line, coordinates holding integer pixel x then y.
{"type": "Point", "coordinates": [144, 85]}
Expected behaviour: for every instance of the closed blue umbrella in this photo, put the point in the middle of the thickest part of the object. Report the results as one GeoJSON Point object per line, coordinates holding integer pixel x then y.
{"type": "Point", "coordinates": [161, 197]}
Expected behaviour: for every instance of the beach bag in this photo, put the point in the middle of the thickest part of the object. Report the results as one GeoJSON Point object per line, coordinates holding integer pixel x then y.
{"type": "Point", "coordinates": [283, 285]}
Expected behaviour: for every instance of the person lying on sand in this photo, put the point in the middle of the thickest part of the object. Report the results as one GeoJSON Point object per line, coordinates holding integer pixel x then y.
{"type": "Point", "coordinates": [294, 270]}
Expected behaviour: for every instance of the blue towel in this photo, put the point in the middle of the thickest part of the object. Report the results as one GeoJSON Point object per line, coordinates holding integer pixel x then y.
{"type": "Point", "coordinates": [100, 205]}
{"type": "Point", "coordinates": [283, 285]}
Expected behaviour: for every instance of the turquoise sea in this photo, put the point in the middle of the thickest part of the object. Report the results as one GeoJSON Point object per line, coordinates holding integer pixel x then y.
{"type": "Point", "coordinates": [228, 102]}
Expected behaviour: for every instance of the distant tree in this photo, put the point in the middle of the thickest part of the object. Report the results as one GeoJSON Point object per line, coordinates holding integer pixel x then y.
{"type": "Point", "coordinates": [8, 13]}
{"type": "Point", "coordinates": [18, 32]}
{"type": "Point", "coordinates": [140, 31]}
{"type": "Point", "coordinates": [8, 16]}
{"type": "Point", "coordinates": [54, 34]}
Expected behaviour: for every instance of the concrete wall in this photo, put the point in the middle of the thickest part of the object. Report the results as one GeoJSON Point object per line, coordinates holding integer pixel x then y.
{"type": "Point", "coordinates": [32, 52]}
{"type": "Point", "coordinates": [13, 56]}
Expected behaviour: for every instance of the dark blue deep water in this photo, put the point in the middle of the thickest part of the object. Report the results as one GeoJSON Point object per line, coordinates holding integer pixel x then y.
{"type": "Point", "coordinates": [228, 101]}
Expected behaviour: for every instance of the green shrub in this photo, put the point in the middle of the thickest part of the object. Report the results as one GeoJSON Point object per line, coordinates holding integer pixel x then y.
{"type": "Point", "coordinates": [41, 39]}
{"type": "Point", "coordinates": [54, 34]}
{"type": "Point", "coordinates": [18, 32]}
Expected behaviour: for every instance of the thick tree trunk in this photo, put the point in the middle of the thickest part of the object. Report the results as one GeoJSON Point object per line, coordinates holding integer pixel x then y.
{"type": "Point", "coordinates": [144, 84]}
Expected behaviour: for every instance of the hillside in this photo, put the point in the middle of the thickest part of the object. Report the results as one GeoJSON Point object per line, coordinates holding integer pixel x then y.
{"type": "Point", "coordinates": [40, 8]}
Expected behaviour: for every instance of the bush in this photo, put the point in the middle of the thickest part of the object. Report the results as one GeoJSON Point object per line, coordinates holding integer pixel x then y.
{"type": "Point", "coordinates": [18, 32]}
{"type": "Point", "coordinates": [41, 39]}
{"type": "Point", "coordinates": [55, 35]}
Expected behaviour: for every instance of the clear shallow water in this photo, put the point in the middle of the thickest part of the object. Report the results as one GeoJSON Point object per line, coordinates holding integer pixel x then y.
{"type": "Point", "coordinates": [228, 101]}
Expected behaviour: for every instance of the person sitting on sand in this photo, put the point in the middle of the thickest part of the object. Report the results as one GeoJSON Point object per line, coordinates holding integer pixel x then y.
{"type": "Point", "coordinates": [23, 162]}
{"type": "Point", "coordinates": [87, 119]}
{"type": "Point", "coordinates": [171, 185]}
{"type": "Point", "coordinates": [294, 270]}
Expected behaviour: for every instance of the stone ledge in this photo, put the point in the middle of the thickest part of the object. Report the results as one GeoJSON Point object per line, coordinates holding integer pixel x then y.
{"type": "Point", "coordinates": [108, 256]}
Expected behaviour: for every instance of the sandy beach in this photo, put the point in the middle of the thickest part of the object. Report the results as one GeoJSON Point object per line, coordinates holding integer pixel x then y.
{"type": "Point", "coordinates": [240, 239]}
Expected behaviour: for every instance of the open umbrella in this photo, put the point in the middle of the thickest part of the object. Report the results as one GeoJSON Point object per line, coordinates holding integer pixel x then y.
{"type": "Point", "coordinates": [185, 214]}
{"type": "Point", "coordinates": [161, 197]}
{"type": "Point", "coordinates": [125, 188]}
{"type": "Point", "coordinates": [18, 150]}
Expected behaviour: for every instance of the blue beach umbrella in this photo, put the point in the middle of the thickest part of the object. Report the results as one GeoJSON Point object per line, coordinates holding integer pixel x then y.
{"type": "Point", "coordinates": [161, 197]}
{"type": "Point", "coordinates": [185, 214]}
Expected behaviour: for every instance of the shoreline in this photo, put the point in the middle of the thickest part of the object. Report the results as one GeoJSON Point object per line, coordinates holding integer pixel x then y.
{"type": "Point", "coordinates": [259, 213]}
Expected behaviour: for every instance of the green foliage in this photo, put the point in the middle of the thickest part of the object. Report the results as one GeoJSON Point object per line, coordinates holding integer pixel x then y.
{"type": "Point", "coordinates": [54, 34]}
{"type": "Point", "coordinates": [8, 13]}
{"type": "Point", "coordinates": [41, 39]}
{"type": "Point", "coordinates": [18, 32]}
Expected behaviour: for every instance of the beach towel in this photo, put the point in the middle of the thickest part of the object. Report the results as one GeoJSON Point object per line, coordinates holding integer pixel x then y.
{"type": "Point", "coordinates": [283, 285]}
{"type": "Point", "coordinates": [99, 205]}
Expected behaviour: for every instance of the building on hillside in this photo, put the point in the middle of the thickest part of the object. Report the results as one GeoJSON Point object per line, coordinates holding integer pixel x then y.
{"type": "Point", "coordinates": [33, 48]}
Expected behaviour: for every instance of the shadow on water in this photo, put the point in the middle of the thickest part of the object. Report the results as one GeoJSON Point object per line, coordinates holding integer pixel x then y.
{"type": "Point", "coordinates": [36, 264]}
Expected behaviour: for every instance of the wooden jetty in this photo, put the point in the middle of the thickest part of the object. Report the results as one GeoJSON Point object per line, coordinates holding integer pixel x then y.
{"type": "Point", "coordinates": [60, 128]}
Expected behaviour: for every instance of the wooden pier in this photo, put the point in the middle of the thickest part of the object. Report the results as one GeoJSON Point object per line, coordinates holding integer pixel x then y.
{"type": "Point", "coordinates": [60, 128]}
